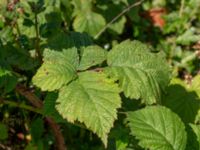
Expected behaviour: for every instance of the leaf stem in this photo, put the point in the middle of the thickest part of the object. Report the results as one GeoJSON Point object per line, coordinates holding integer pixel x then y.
{"type": "Point", "coordinates": [20, 105]}
{"type": "Point", "coordinates": [37, 42]}
{"type": "Point", "coordinates": [35, 101]}
{"type": "Point", "coordinates": [117, 17]}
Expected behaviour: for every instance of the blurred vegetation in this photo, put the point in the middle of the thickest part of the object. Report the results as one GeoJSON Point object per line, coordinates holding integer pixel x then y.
{"type": "Point", "coordinates": [27, 27]}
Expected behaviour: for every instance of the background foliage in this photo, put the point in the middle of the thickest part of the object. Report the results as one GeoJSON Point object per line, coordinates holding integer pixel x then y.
{"type": "Point", "coordinates": [106, 74]}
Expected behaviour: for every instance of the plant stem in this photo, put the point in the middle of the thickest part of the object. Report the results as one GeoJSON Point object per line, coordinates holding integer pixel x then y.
{"type": "Point", "coordinates": [35, 101]}
{"type": "Point", "coordinates": [117, 17]}
{"type": "Point", "coordinates": [181, 8]}
{"type": "Point", "coordinates": [37, 42]}
{"type": "Point", "coordinates": [20, 105]}
{"type": "Point", "coordinates": [32, 98]}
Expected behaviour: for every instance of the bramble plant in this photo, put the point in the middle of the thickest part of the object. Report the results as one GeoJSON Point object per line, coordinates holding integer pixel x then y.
{"type": "Point", "coordinates": [99, 74]}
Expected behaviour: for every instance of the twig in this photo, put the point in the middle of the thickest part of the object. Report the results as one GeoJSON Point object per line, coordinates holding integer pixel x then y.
{"type": "Point", "coordinates": [20, 105]}
{"type": "Point", "coordinates": [58, 135]}
{"type": "Point", "coordinates": [35, 101]}
{"type": "Point", "coordinates": [181, 8]}
{"type": "Point", "coordinates": [117, 17]}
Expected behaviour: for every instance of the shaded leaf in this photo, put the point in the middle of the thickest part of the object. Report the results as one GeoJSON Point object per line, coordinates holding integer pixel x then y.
{"type": "Point", "coordinates": [72, 39]}
{"type": "Point", "coordinates": [37, 129]}
{"type": "Point", "coordinates": [3, 131]}
{"type": "Point", "coordinates": [49, 107]}
{"type": "Point", "coordinates": [196, 129]}
{"type": "Point", "coordinates": [8, 82]}
{"type": "Point", "coordinates": [182, 99]}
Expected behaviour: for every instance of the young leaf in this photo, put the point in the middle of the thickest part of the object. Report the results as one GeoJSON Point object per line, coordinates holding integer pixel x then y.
{"type": "Point", "coordinates": [92, 99]}
{"type": "Point", "coordinates": [58, 69]}
{"type": "Point", "coordinates": [157, 128]}
{"type": "Point", "coordinates": [141, 73]}
{"type": "Point", "coordinates": [91, 56]}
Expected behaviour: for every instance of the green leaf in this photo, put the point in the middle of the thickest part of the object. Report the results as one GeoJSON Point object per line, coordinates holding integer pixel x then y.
{"type": "Point", "coordinates": [182, 99]}
{"type": "Point", "coordinates": [4, 72]}
{"type": "Point", "coordinates": [196, 85]}
{"type": "Point", "coordinates": [37, 129]}
{"type": "Point", "coordinates": [69, 40]}
{"type": "Point", "coordinates": [58, 69]}
{"type": "Point", "coordinates": [31, 146]}
{"type": "Point", "coordinates": [81, 6]}
{"type": "Point", "coordinates": [121, 138]}
{"type": "Point", "coordinates": [110, 11]}
{"type": "Point", "coordinates": [157, 128]}
{"type": "Point", "coordinates": [8, 82]}
{"type": "Point", "coordinates": [27, 27]}
{"type": "Point", "coordinates": [188, 37]}
{"type": "Point", "coordinates": [49, 107]}
{"type": "Point", "coordinates": [118, 26]}
{"type": "Point", "coordinates": [192, 143]}
{"type": "Point", "coordinates": [18, 57]}
{"type": "Point", "coordinates": [196, 129]}
{"type": "Point", "coordinates": [67, 55]}
{"type": "Point", "coordinates": [3, 131]}
{"type": "Point", "coordinates": [6, 35]}
{"type": "Point", "coordinates": [92, 99]}
{"type": "Point", "coordinates": [141, 73]}
{"type": "Point", "coordinates": [91, 56]}
{"type": "Point", "coordinates": [89, 22]}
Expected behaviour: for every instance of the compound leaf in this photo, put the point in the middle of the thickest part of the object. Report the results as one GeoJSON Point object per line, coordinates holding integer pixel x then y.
{"type": "Point", "coordinates": [92, 99]}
